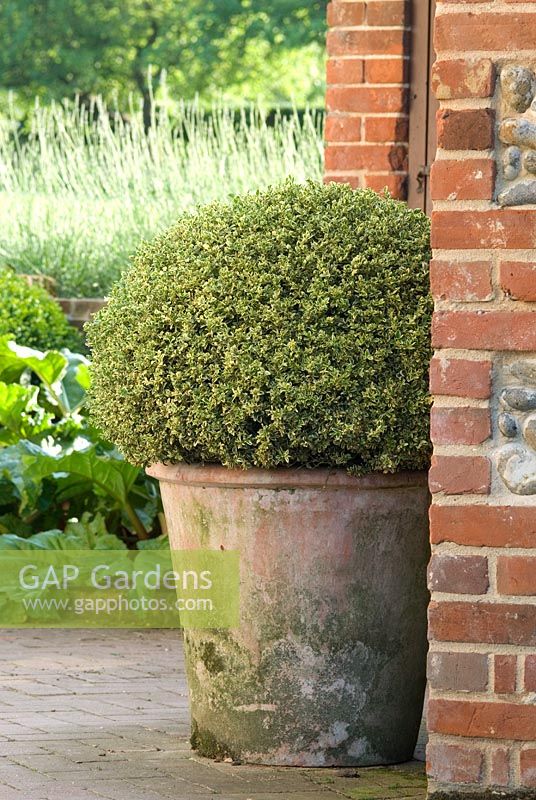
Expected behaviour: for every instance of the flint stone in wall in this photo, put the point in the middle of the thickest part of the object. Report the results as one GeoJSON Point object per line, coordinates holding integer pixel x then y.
{"type": "Point", "coordinates": [521, 132]}
{"type": "Point", "coordinates": [525, 371]}
{"type": "Point", "coordinates": [517, 468]}
{"type": "Point", "coordinates": [520, 194]}
{"type": "Point", "coordinates": [518, 87]}
{"type": "Point", "coordinates": [529, 431]}
{"type": "Point", "coordinates": [529, 162]}
{"type": "Point", "coordinates": [516, 458]}
{"type": "Point", "coordinates": [519, 399]}
{"type": "Point", "coordinates": [508, 425]}
{"type": "Point", "coordinates": [512, 162]}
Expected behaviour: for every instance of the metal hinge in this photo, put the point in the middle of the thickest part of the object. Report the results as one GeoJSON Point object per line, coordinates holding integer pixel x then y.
{"type": "Point", "coordinates": [422, 175]}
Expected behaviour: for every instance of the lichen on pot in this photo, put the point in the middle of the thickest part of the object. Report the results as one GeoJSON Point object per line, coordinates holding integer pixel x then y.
{"type": "Point", "coordinates": [327, 666]}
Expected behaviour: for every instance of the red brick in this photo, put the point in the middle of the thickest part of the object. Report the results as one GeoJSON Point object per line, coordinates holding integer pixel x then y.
{"type": "Point", "coordinates": [348, 71]}
{"type": "Point", "coordinates": [467, 129]}
{"type": "Point", "coordinates": [505, 674]}
{"type": "Point", "coordinates": [355, 181]}
{"type": "Point", "coordinates": [457, 574]}
{"type": "Point", "coordinates": [460, 475]}
{"type": "Point", "coordinates": [460, 425]}
{"type": "Point", "coordinates": [485, 330]}
{"type": "Point", "coordinates": [453, 763]}
{"type": "Point", "coordinates": [463, 78]}
{"type": "Point", "coordinates": [366, 99]}
{"type": "Point", "coordinates": [386, 12]}
{"type": "Point", "coordinates": [459, 377]}
{"type": "Point", "coordinates": [461, 281]}
{"type": "Point", "coordinates": [527, 762]}
{"type": "Point", "coordinates": [463, 180]}
{"type": "Point", "coordinates": [386, 129]}
{"type": "Point", "coordinates": [342, 128]}
{"type": "Point", "coordinates": [458, 672]}
{"type": "Point", "coordinates": [376, 158]}
{"type": "Point", "coordinates": [482, 720]}
{"type": "Point", "coordinates": [504, 228]}
{"type": "Point", "coordinates": [500, 767]}
{"type": "Point", "coordinates": [345, 14]}
{"type": "Point", "coordinates": [483, 526]}
{"type": "Point", "coordinates": [372, 41]}
{"type": "Point", "coordinates": [488, 623]}
{"type": "Point", "coordinates": [516, 575]}
{"type": "Point", "coordinates": [386, 70]}
{"type": "Point", "coordinates": [467, 31]}
{"type": "Point", "coordinates": [518, 279]}
{"type": "Point", "coordinates": [530, 673]}
{"type": "Point", "coordinates": [396, 185]}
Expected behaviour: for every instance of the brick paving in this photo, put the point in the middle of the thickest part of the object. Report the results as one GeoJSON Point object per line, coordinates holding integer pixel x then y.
{"type": "Point", "coordinates": [104, 714]}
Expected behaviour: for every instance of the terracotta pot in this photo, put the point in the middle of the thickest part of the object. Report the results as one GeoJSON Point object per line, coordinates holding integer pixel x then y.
{"type": "Point", "coordinates": [328, 664]}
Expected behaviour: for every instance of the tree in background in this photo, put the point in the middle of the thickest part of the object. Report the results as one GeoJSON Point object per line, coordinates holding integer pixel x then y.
{"type": "Point", "coordinates": [241, 48]}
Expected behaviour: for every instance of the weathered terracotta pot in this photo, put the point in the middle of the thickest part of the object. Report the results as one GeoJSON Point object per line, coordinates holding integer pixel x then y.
{"type": "Point", "coordinates": [328, 664]}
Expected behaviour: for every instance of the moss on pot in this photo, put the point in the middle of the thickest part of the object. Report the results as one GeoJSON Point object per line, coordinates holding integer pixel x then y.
{"type": "Point", "coordinates": [288, 327]}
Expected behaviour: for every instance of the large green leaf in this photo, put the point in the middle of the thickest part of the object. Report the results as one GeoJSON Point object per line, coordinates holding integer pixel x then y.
{"type": "Point", "coordinates": [14, 359]}
{"type": "Point", "coordinates": [64, 376]}
{"type": "Point", "coordinates": [113, 476]}
{"type": "Point", "coordinates": [86, 534]}
{"type": "Point", "coordinates": [21, 417]}
{"type": "Point", "coordinates": [75, 382]}
{"type": "Point", "coordinates": [13, 469]}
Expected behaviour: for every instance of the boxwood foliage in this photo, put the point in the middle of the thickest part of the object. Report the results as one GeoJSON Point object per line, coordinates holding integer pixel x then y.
{"type": "Point", "coordinates": [32, 316]}
{"type": "Point", "coordinates": [288, 327]}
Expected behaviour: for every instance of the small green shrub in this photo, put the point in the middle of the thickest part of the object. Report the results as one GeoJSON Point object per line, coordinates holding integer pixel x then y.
{"type": "Point", "coordinates": [32, 317]}
{"type": "Point", "coordinates": [289, 327]}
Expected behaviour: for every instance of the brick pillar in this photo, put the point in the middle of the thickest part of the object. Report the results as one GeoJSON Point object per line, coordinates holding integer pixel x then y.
{"type": "Point", "coordinates": [482, 617]}
{"type": "Point", "coordinates": [367, 122]}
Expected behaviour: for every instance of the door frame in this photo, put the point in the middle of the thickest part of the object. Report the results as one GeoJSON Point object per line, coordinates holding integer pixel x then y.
{"type": "Point", "coordinates": [422, 105]}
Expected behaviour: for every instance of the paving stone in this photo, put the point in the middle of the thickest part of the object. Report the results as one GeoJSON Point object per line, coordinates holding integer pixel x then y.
{"type": "Point", "coordinates": [8, 793]}
{"type": "Point", "coordinates": [123, 790]}
{"type": "Point", "coordinates": [68, 696]}
{"type": "Point", "coordinates": [65, 789]}
{"type": "Point", "coordinates": [18, 777]}
{"type": "Point", "coordinates": [10, 748]}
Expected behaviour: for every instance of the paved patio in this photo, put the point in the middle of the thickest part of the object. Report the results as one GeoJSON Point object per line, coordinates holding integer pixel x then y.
{"type": "Point", "coordinates": [104, 714]}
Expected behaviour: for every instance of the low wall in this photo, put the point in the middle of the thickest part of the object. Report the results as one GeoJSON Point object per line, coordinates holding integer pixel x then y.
{"type": "Point", "coordinates": [80, 309]}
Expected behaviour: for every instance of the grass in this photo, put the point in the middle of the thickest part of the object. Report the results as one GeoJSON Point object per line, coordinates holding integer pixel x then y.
{"type": "Point", "coordinates": [86, 185]}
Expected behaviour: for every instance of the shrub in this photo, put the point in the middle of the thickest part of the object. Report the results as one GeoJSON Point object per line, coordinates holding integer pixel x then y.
{"type": "Point", "coordinates": [32, 317]}
{"type": "Point", "coordinates": [289, 327]}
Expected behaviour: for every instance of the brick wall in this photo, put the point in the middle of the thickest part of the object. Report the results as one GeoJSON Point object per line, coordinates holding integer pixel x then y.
{"type": "Point", "coordinates": [482, 617]}
{"type": "Point", "coordinates": [79, 310]}
{"type": "Point", "coordinates": [367, 122]}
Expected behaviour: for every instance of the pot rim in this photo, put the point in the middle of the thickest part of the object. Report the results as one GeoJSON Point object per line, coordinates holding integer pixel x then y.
{"type": "Point", "coordinates": [283, 478]}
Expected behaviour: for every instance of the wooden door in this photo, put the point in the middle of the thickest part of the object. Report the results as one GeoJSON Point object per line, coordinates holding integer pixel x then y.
{"type": "Point", "coordinates": [422, 105]}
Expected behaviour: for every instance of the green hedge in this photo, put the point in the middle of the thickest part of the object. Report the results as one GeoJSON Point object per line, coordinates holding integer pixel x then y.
{"type": "Point", "coordinates": [32, 317]}
{"type": "Point", "coordinates": [289, 327]}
